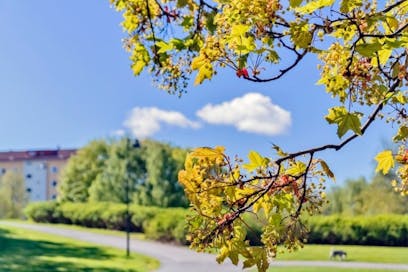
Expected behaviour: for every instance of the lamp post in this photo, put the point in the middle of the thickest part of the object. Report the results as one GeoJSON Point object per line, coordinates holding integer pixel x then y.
{"type": "Point", "coordinates": [127, 199]}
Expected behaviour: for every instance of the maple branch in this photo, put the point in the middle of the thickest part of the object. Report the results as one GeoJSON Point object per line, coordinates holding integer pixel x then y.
{"type": "Point", "coordinates": [204, 3]}
{"type": "Point", "coordinates": [339, 146]}
{"type": "Point", "coordinates": [155, 49]}
{"type": "Point", "coordinates": [392, 35]}
{"type": "Point", "coordinates": [283, 71]}
{"type": "Point", "coordinates": [391, 7]}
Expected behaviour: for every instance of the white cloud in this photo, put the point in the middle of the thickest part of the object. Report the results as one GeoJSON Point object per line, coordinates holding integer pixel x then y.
{"type": "Point", "coordinates": [252, 112]}
{"type": "Point", "coordinates": [144, 122]}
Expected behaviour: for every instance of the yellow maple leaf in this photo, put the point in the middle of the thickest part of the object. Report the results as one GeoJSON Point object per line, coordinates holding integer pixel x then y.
{"type": "Point", "coordinates": [385, 161]}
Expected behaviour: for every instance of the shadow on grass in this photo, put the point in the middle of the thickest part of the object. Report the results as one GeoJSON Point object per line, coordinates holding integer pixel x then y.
{"type": "Point", "coordinates": [20, 255]}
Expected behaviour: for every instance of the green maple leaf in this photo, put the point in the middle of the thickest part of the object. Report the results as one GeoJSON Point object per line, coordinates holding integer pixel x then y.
{"type": "Point", "coordinates": [295, 3]}
{"type": "Point", "coordinates": [296, 169]}
{"type": "Point", "coordinates": [401, 135]}
{"type": "Point", "coordinates": [345, 120]}
{"type": "Point", "coordinates": [312, 6]}
{"type": "Point", "coordinates": [255, 161]}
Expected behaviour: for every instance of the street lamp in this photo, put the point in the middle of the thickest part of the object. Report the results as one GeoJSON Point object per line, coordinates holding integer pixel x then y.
{"type": "Point", "coordinates": [127, 199]}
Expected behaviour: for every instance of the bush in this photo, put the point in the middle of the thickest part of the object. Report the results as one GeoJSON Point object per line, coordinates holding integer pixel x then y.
{"type": "Point", "coordinates": [381, 230]}
{"type": "Point", "coordinates": [141, 214]}
{"type": "Point", "coordinates": [43, 212]}
{"type": "Point", "coordinates": [168, 224]}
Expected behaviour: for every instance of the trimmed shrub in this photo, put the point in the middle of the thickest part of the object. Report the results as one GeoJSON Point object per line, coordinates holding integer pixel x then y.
{"type": "Point", "coordinates": [380, 230]}
{"type": "Point", "coordinates": [165, 224]}
{"type": "Point", "coordinates": [43, 212]}
{"type": "Point", "coordinates": [142, 214]}
{"type": "Point", "coordinates": [168, 224]}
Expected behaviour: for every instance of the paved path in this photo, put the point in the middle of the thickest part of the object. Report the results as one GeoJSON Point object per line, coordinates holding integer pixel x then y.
{"type": "Point", "coordinates": [179, 259]}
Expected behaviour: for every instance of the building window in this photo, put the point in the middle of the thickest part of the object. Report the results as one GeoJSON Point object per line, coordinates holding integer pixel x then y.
{"type": "Point", "coordinates": [54, 196]}
{"type": "Point", "coordinates": [54, 169]}
{"type": "Point", "coordinates": [54, 183]}
{"type": "Point", "coordinates": [28, 176]}
{"type": "Point", "coordinates": [28, 190]}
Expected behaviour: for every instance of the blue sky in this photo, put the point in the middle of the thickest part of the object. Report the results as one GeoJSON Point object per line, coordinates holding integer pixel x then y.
{"type": "Point", "coordinates": [65, 80]}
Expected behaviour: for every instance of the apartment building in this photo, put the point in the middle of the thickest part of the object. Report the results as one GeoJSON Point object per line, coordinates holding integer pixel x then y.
{"type": "Point", "coordinates": [41, 170]}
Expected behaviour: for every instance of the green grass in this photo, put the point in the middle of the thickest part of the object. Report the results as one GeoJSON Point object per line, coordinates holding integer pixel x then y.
{"type": "Point", "coordinates": [325, 269]}
{"type": "Point", "coordinates": [136, 235]}
{"type": "Point", "coordinates": [375, 254]}
{"type": "Point", "coordinates": [29, 251]}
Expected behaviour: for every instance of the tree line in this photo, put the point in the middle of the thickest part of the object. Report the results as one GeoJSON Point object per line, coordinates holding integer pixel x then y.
{"type": "Point", "coordinates": [101, 170]}
{"type": "Point", "coordinates": [366, 197]}
{"type": "Point", "coordinates": [13, 195]}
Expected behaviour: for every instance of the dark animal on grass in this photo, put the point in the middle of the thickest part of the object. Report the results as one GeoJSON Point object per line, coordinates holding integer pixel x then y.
{"type": "Point", "coordinates": [338, 253]}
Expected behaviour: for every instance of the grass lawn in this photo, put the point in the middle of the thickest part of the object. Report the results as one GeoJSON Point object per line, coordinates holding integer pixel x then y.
{"type": "Point", "coordinates": [25, 250]}
{"type": "Point", "coordinates": [375, 254]}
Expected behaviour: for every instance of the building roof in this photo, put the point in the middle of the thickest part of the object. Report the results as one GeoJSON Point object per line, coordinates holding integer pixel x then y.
{"type": "Point", "coordinates": [56, 154]}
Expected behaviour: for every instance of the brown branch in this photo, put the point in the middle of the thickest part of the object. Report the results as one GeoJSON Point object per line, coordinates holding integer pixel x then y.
{"type": "Point", "coordinates": [202, 2]}
{"type": "Point", "coordinates": [155, 49]}
{"type": "Point", "coordinates": [392, 35]}
{"type": "Point", "coordinates": [304, 186]}
{"type": "Point", "coordinates": [339, 146]}
{"type": "Point", "coordinates": [391, 7]}
{"type": "Point", "coordinates": [281, 72]}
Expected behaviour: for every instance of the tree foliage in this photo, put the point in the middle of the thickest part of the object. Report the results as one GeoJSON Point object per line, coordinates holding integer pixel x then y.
{"type": "Point", "coordinates": [81, 170]}
{"type": "Point", "coordinates": [359, 197]}
{"type": "Point", "coordinates": [361, 45]}
{"type": "Point", "coordinates": [13, 195]}
{"type": "Point", "coordinates": [123, 166]}
{"type": "Point", "coordinates": [160, 187]}
{"type": "Point", "coordinates": [101, 171]}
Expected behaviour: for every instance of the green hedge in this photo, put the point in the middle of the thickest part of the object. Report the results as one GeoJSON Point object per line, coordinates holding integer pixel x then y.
{"type": "Point", "coordinates": [157, 223]}
{"type": "Point", "coordinates": [379, 230]}
{"type": "Point", "coordinates": [168, 224]}
{"type": "Point", "coordinates": [382, 230]}
{"type": "Point", "coordinates": [43, 212]}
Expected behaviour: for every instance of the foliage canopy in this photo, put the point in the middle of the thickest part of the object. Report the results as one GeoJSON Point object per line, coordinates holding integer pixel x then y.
{"type": "Point", "coordinates": [101, 170]}
{"type": "Point", "coordinates": [362, 197]}
{"type": "Point", "coordinates": [362, 47]}
{"type": "Point", "coordinates": [13, 195]}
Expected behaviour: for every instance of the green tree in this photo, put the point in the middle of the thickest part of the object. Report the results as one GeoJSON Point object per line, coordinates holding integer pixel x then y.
{"type": "Point", "coordinates": [82, 170]}
{"type": "Point", "coordinates": [348, 199]}
{"type": "Point", "coordinates": [161, 187]}
{"type": "Point", "coordinates": [359, 197]}
{"type": "Point", "coordinates": [101, 170]}
{"type": "Point", "coordinates": [362, 49]}
{"type": "Point", "coordinates": [123, 167]}
{"type": "Point", "coordinates": [381, 198]}
{"type": "Point", "coordinates": [353, 196]}
{"type": "Point", "coordinates": [13, 195]}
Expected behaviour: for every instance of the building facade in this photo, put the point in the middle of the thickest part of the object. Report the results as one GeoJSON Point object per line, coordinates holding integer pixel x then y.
{"type": "Point", "coordinates": [41, 170]}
